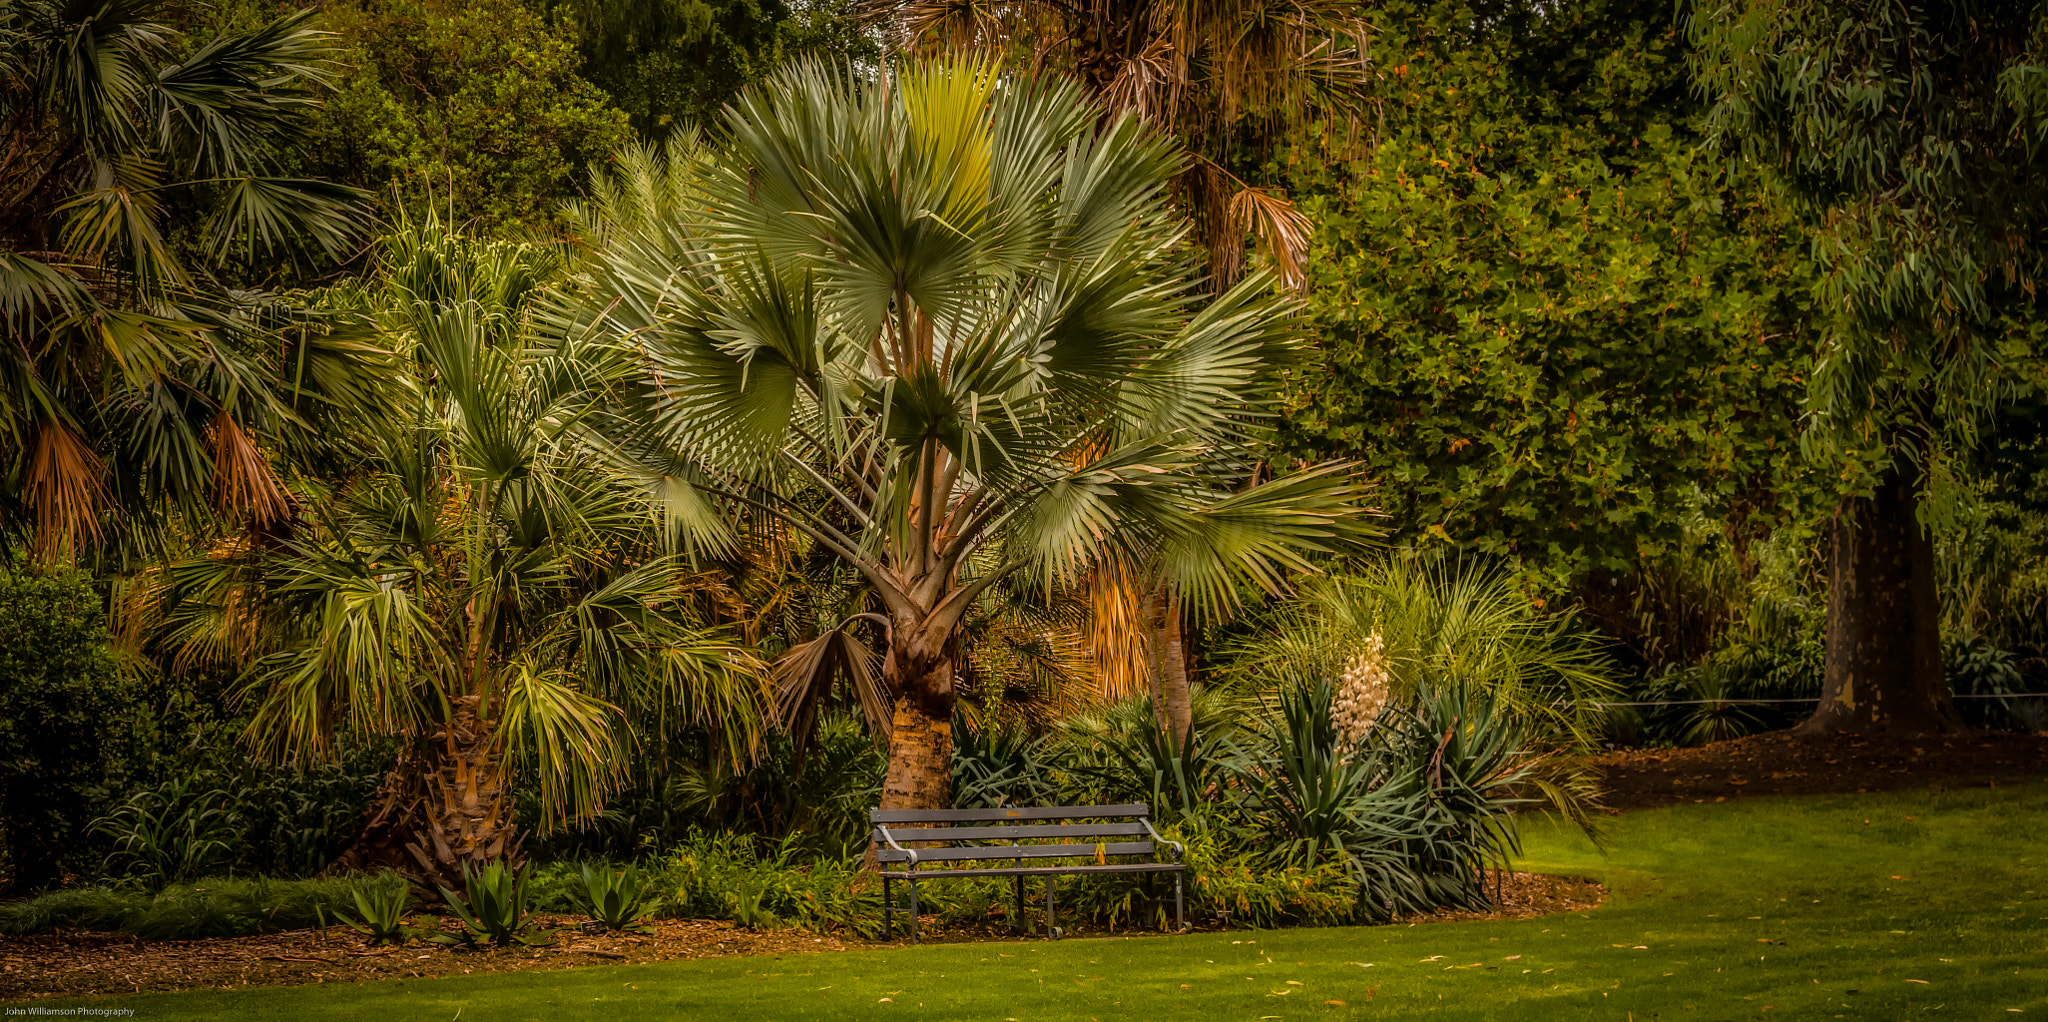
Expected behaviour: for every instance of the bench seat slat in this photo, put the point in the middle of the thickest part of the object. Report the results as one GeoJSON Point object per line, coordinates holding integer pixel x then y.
{"type": "Point", "coordinates": [907, 834]}
{"type": "Point", "coordinates": [1021, 813]}
{"type": "Point", "coordinates": [1016, 852]}
{"type": "Point", "coordinates": [1033, 871]}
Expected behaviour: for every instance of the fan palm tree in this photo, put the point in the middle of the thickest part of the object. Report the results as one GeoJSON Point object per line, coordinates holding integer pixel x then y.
{"type": "Point", "coordinates": [938, 322]}
{"type": "Point", "coordinates": [1232, 80]}
{"type": "Point", "coordinates": [1228, 78]}
{"type": "Point", "coordinates": [131, 177]}
{"type": "Point", "coordinates": [476, 584]}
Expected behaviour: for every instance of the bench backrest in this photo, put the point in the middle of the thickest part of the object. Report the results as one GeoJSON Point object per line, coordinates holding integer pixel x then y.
{"type": "Point", "coordinates": [984, 834]}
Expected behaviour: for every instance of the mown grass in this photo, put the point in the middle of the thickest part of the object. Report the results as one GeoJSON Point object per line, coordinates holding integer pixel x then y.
{"type": "Point", "coordinates": [1883, 906]}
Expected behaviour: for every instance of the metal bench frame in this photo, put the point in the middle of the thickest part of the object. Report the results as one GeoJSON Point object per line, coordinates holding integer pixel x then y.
{"type": "Point", "coordinates": [896, 829]}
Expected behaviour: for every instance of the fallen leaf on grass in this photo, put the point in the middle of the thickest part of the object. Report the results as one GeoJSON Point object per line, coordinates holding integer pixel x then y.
{"type": "Point", "coordinates": [1922, 982]}
{"type": "Point", "coordinates": [1363, 965]}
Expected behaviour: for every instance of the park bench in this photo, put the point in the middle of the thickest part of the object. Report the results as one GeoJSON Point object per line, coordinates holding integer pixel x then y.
{"type": "Point", "coordinates": [1064, 841]}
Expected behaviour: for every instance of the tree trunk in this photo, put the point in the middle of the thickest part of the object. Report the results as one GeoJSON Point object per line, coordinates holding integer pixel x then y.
{"type": "Point", "coordinates": [1884, 673]}
{"type": "Point", "coordinates": [920, 759]}
{"type": "Point", "coordinates": [919, 671]}
{"type": "Point", "coordinates": [1174, 701]}
{"type": "Point", "coordinates": [446, 804]}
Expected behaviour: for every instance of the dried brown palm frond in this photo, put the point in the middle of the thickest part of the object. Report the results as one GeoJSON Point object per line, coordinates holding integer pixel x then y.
{"type": "Point", "coordinates": [65, 490]}
{"type": "Point", "coordinates": [1282, 230]}
{"type": "Point", "coordinates": [1116, 631]}
{"type": "Point", "coordinates": [243, 481]}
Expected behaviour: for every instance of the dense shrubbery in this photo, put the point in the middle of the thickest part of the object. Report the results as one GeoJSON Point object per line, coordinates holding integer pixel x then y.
{"type": "Point", "coordinates": [67, 717]}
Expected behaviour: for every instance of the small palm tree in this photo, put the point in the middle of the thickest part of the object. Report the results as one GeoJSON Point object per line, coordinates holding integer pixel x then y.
{"type": "Point", "coordinates": [133, 180]}
{"type": "Point", "coordinates": [475, 582]}
{"type": "Point", "coordinates": [938, 323]}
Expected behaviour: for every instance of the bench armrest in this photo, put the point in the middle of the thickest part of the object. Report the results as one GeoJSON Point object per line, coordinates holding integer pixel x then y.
{"type": "Point", "coordinates": [910, 853]}
{"type": "Point", "coordinates": [1178, 849]}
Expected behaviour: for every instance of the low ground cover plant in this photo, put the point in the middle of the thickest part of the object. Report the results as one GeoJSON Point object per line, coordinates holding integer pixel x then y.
{"type": "Point", "coordinates": [220, 907]}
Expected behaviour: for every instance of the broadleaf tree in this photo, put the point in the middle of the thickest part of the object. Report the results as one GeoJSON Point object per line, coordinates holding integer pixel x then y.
{"type": "Point", "coordinates": [1911, 135]}
{"type": "Point", "coordinates": [940, 321]}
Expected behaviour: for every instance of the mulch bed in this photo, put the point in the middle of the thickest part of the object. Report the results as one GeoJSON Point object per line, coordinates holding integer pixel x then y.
{"type": "Point", "coordinates": [103, 964]}
{"type": "Point", "coordinates": [1782, 763]}
{"type": "Point", "coordinates": [98, 964]}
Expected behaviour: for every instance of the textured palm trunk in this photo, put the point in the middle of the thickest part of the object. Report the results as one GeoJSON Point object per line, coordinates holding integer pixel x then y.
{"type": "Point", "coordinates": [446, 804]}
{"type": "Point", "coordinates": [1884, 673]}
{"type": "Point", "coordinates": [920, 774]}
{"type": "Point", "coordinates": [1171, 695]}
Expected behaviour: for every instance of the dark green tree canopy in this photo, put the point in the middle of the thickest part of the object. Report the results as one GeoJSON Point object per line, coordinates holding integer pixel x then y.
{"type": "Point", "coordinates": [1913, 136]}
{"type": "Point", "coordinates": [1545, 322]}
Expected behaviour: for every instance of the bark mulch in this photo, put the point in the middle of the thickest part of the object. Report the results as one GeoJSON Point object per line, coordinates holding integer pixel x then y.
{"type": "Point", "coordinates": [100, 964]}
{"type": "Point", "coordinates": [1783, 763]}
{"type": "Point", "coordinates": [90, 964]}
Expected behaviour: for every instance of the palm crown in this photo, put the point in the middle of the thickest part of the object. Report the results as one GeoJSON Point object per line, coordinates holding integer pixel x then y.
{"type": "Point", "coordinates": [475, 582]}
{"type": "Point", "coordinates": [130, 177]}
{"type": "Point", "coordinates": [940, 322]}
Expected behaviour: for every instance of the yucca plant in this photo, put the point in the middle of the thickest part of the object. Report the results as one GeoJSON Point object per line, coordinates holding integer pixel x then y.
{"type": "Point", "coordinates": [495, 910]}
{"type": "Point", "coordinates": [621, 900]}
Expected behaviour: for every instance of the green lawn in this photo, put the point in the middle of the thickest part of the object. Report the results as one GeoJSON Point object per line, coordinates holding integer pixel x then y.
{"type": "Point", "coordinates": [1884, 906]}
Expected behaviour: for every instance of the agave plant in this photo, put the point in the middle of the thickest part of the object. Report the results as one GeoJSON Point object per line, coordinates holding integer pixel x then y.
{"type": "Point", "coordinates": [939, 324]}
{"type": "Point", "coordinates": [619, 900]}
{"type": "Point", "coordinates": [495, 909]}
{"type": "Point", "coordinates": [380, 911]}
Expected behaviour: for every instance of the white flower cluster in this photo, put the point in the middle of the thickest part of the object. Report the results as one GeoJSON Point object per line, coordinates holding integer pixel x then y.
{"type": "Point", "coordinates": [1361, 692]}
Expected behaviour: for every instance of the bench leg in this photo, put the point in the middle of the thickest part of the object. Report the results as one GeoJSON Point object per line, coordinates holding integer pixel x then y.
{"type": "Point", "coordinates": [1180, 915]}
{"type": "Point", "coordinates": [1017, 924]}
{"type": "Point", "coordinates": [915, 936]}
{"type": "Point", "coordinates": [888, 909]}
{"type": "Point", "coordinates": [1050, 929]}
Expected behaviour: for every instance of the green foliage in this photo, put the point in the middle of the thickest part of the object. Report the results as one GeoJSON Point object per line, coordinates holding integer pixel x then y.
{"type": "Point", "coordinates": [1922, 218]}
{"type": "Point", "coordinates": [684, 784]}
{"type": "Point", "coordinates": [380, 913]}
{"type": "Point", "coordinates": [763, 884]}
{"type": "Point", "coordinates": [495, 909]}
{"type": "Point", "coordinates": [174, 833]}
{"type": "Point", "coordinates": [216, 907]}
{"type": "Point", "coordinates": [620, 899]}
{"type": "Point", "coordinates": [146, 191]}
{"type": "Point", "coordinates": [671, 63]}
{"type": "Point", "coordinates": [1544, 318]}
{"type": "Point", "coordinates": [475, 108]}
{"type": "Point", "coordinates": [1448, 625]}
{"type": "Point", "coordinates": [66, 713]}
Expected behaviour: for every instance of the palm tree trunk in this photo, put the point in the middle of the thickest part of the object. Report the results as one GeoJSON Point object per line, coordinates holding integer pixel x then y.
{"type": "Point", "coordinates": [1172, 698]}
{"type": "Point", "coordinates": [446, 804]}
{"type": "Point", "coordinates": [1884, 673]}
{"type": "Point", "coordinates": [920, 758]}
